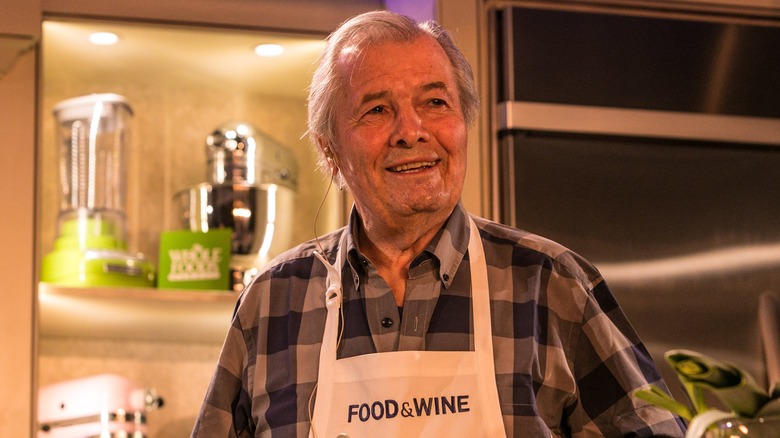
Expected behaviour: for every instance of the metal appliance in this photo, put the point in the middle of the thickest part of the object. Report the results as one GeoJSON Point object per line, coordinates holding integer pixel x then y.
{"type": "Point", "coordinates": [104, 405]}
{"type": "Point", "coordinates": [648, 142]}
{"type": "Point", "coordinates": [91, 249]}
{"type": "Point", "coordinates": [251, 190]}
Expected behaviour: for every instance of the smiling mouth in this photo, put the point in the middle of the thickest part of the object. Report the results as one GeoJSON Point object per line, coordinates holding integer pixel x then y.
{"type": "Point", "coordinates": [413, 166]}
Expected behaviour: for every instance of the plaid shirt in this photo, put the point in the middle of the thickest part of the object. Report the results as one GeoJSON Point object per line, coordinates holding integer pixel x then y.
{"type": "Point", "coordinates": [566, 358]}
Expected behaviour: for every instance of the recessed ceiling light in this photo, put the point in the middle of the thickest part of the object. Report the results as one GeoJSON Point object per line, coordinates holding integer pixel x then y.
{"type": "Point", "coordinates": [103, 38]}
{"type": "Point", "coordinates": [269, 50]}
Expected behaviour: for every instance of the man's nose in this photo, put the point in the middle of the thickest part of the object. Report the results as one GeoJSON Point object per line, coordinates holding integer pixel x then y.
{"type": "Point", "coordinates": [409, 128]}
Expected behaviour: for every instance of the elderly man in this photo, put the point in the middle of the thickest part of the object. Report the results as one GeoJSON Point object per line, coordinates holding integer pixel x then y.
{"type": "Point", "coordinates": [417, 319]}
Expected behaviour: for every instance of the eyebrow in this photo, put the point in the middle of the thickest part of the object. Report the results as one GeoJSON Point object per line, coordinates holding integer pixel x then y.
{"type": "Point", "coordinates": [372, 96]}
{"type": "Point", "coordinates": [438, 85]}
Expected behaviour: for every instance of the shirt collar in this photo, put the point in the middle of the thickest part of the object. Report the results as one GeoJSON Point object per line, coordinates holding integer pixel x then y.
{"type": "Point", "coordinates": [448, 247]}
{"type": "Point", "coordinates": [450, 244]}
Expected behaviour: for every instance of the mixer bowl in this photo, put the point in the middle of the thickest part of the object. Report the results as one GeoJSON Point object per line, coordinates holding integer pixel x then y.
{"type": "Point", "coordinates": [252, 212]}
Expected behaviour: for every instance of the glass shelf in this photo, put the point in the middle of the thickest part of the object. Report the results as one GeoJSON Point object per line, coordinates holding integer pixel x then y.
{"type": "Point", "coordinates": [141, 314]}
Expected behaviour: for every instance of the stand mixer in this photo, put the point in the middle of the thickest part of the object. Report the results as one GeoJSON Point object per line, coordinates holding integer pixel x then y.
{"type": "Point", "coordinates": [251, 188]}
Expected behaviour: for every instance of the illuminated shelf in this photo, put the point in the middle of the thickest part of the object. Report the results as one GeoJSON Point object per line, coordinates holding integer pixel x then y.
{"type": "Point", "coordinates": [144, 314]}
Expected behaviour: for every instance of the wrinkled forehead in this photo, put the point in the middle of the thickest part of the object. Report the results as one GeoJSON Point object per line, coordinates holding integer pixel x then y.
{"type": "Point", "coordinates": [351, 56]}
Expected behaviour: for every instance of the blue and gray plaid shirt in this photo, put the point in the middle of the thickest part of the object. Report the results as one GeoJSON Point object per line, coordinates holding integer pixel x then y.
{"type": "Point", "coordinates": [566, 358]}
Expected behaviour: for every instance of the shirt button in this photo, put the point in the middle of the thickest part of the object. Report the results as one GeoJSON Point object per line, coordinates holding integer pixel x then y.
{"type": "Point", "coordinates": [387, 323]}
{"type": "Point", "coordinates": [446, 277]}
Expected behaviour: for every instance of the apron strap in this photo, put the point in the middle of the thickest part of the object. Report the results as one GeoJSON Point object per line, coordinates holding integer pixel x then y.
{"type": "Point", "coordinates": [330, 344]}
{"type": "Point", "coordinates": [483, 332]}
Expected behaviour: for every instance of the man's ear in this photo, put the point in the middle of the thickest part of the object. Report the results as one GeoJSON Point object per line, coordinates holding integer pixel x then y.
{"type": "Point", "coordinates": [324, 146]}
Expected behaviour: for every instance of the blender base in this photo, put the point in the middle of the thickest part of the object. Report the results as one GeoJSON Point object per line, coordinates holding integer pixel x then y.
{"type": "Point", "coordinates": [77, 267]}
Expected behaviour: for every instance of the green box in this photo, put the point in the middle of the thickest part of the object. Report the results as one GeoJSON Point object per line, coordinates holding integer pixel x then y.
{"type": "Point", "coordinates": [194, 260]}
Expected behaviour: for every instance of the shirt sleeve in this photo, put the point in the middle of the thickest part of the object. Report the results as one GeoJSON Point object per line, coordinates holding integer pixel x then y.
{"type": "Point", "coordinates": [226, 409]}
{"type": "Point", "coordinates": [611, 362]}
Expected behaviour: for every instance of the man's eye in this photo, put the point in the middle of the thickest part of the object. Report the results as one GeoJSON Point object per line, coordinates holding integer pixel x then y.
{"type": "Point", "coordinates": [438, 102]}
{"type": "Point", "coordinates": [376, 110]}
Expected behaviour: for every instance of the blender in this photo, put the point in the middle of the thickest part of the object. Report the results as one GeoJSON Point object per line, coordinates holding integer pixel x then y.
{"type": "Point", "coordinates": [251, 189]}
{"type": "Point", "coordinates": [92, 133]}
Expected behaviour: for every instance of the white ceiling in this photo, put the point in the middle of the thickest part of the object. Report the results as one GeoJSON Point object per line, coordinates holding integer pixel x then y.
{"type": "Point", "coordinates": [169, 54]}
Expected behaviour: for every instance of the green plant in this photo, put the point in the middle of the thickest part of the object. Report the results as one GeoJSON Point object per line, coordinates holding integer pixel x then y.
{"type": "Point", "coordinates": [700, 374]}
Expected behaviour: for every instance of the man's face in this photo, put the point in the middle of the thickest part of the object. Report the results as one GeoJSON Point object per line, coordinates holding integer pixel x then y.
{"type": "Point", "coordinates": [400, 132]}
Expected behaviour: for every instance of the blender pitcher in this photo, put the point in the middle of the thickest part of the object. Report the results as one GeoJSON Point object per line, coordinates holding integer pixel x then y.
{"type": "Point", "coordinates": [92, 135]}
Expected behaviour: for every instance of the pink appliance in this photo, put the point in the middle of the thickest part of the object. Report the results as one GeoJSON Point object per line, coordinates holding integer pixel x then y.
{"type": "Point", "coordinates": [100, 406]}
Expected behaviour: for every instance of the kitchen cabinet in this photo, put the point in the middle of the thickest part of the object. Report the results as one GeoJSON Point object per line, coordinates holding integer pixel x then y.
{"type": "Point", "coordinates": [182, 82]}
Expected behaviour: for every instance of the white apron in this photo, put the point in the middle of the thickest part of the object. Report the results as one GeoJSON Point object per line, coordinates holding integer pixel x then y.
{"type": "Point", "coordinates": [409, 393]}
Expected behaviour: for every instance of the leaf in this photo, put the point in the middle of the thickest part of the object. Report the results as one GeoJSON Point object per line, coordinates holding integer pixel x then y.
{"type": "Point", "coordinates": [660, 398]}
{"type": "Point", "coordinates": [730, 383]}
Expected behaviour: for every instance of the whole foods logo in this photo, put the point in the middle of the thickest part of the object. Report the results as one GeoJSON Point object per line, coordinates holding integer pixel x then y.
{"type": "Point", "coordinates": [416, 407]}
{"type": "Point", "coordinates": [195, 263]}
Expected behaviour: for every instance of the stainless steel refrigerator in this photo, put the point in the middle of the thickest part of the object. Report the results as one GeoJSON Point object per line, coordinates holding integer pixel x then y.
{"type": "Point", "coordinates": [648, 141]}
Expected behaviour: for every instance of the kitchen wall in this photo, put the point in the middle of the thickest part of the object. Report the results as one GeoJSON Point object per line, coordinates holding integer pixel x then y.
{"type": "Point", "coordinates": [19, 22]}
{"type": "Point", "coordinates": [17, 195]}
